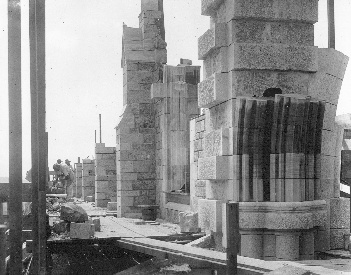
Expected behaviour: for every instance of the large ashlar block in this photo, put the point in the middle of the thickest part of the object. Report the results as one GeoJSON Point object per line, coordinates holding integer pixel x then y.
{"type": "Point", "coordinates": [158, 55]}
{"type": "Point", "coordinates": [339, 213]}
{"type": "Point", "coordinates": [273, 10]}
{"type": "Point", "coordinates": [280, 32]}
{"type": "Point", "coordinates": [216, 62]}
{"type": "Point", "coordinates": [328, 143]}
{"type": "Point", "coordinates": [252, 244]}
{"type": "Point", "coordinates": [329, 117]}
{"type": "Point", "coordinates": [283, 215]}
{"type": "Point", "coordinates": [212, 39]}
{"type": "Point", "coordinates": [252, 56]}
{"type": "Point", "coordinates": [255, 82]}
{"type": "Point", "coordinates": [213, 90]}
{"type": "Point", "coordinates": [213, 168]}
{"type": "Point", "coordinates": [158, 90]}
{"type": "Point", "coordinates": [220, 116]}
{"type": "Point", "coordinates": [210, 215]}
{"type": "Point", "coordinates": [325, 87]}
{"type": "Point", "coordinates": [209, 7]}
{"type": "Point", "coordinates": [332, 62]}
{"type": "Point", "coordinates": [222, 190]}
{"type": "Point", "coordinates": [327, 167]}
{"type": "Point", "coordinates": [188, 222]}
{"type": "Point", "coordinates": [287, 246]}
{"type": "Point", "coordinates": [216, 143]}
{"type": "Point", "coordinates": [337, 238]}
{"type": "Point", "coordinates": [131, 34]}
{"type": "Point", "coordinates": [101, 149]}
{"type": "Point", "coordinates": [324, 189]}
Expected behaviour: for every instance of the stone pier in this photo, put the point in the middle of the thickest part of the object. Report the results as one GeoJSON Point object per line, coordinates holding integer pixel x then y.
{"type": "Point", "coordinates": [268, 137]}
{"type": "Point", "coordinates": [105, 175]}
{"type": "Point", "coordinates": [88, 178]}
{"type": "Point", "coordinates": [144, 53]}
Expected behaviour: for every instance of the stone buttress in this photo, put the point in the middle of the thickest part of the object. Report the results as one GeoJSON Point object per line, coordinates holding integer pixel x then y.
{"type": "Point", "coordinates": [267, 138]}
{"type": "Point", "coordinates": [144, 53]}
{"type": "Point", "coordinates": [105, 175]}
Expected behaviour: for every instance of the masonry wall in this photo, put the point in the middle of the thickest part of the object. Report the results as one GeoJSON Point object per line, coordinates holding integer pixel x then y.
{"type": "Point", "coordinates": [144, 53]}
{"type": "Point", "coordinates": [253, 49]}
{"type": "Point", "coordinates": [78, 179]}
{"type": "Point", "coordinates": [88, 178]}
{"type": "Point", "coordinates": [105, 175]}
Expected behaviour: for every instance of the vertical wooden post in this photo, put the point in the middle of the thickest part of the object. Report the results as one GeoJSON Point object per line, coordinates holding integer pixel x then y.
{"type": "Point", "coordinates": [233, 237]}
{"type": "Point", "coordinates": [34, 134]}
{"type": "Point", "coordinates": [95, 136]}
{"type": "Point", "coordinates": [331, 24]}
{"type": "Point", "coordinates": [15, 135]}
{"type": "Point", "coordinates": [2, 248]}
{"type": "Point", "coordinates": [42, 135]}
{"type": "Point", "coordinates": [100, 126]}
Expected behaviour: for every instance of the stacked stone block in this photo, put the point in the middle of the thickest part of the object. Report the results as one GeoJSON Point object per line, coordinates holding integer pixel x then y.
{"type": "Point", "coordinates": [78, 179]}
{"type": "Point", "coordinates": [88, 178]}
{"type": "Point", "coordinates": [176, 101]}
{"type": "Point", "coordinates": [257, 49]}
{"type": "Point", "coordinates": [144, 53]}
{"type": "Point", "coordinates": [105, 175]}
{"type": "Point", "coordinates": [197, 187]}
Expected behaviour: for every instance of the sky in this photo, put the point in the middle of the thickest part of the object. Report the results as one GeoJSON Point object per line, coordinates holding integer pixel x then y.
{"type": "Point", "coordinates": [84, 77]}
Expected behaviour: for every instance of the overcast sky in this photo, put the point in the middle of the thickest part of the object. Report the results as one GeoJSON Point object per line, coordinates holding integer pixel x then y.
{"type": "Point", "coordinates": [83, 73]}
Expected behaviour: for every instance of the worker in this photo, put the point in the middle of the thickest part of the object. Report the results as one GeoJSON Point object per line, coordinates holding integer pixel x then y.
{"type": "Point", "coordinates": [68, 173]}
{"type": "Point", "coordinates": [58, 170]}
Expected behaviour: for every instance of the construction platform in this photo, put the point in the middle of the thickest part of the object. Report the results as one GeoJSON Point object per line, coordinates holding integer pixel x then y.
{"type": "Point", "coordinates": [153, 239]}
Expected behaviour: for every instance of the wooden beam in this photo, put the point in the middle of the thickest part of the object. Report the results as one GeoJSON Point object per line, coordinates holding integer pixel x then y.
{"type": "Point", "coordinates": [233, 237]}
{"type": "Point", "coordinates": [2, 248]}
{"type": "Point", "coordinates": [34, 134]}
{"type": "Point", "coordinates": [15, 135]}
{"type": "Point", "coordinates": [331, 24]}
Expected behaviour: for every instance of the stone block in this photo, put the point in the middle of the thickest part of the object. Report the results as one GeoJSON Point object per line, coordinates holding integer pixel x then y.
{"type": "Point", "coordinates": [329, 117]}
{"type": "Point", "coordinates": [252, 82]}
{"type": "Point", "coordinates": [328, 143]}
{"type": "Point", "coordinates": [209, 7]}
{"type": "Point", "coordinates": [101, 202]}
{"type": "Point", "coordinates": [327, 167]}
{"type": "Point", "coordinates": [269, 245]}
{"type": "Point", "coordinates": [249, 56]}
{"type": "Point", "coordinates": [216, 62]}
{"type": "Point", "coordinates": [324, 189]}
{"type": "Point", "coordinates": [332, 62]}
{"type": "Point", "coordinates": [188, 222]}
{"type": "Point", "coordinates": [337, 238]}
{"type": "Point", "coordinates": [220, 116]}
{"type": "Point", "coordinates": [325, 87]}
{"type": "Point", "coordinates": [251, 244]}
{"type": "Point", "coordinates": [306, 243]}
{"type": "Point", "coordinates": [222, 190]}
{"type": "Point", "coordinates": [322, 241]}
{"type": "Point", "coordinates": [213, 90]}
{"type": "Point", "coordinates": [97, 224]}
{"type": "Point", "coordinates": [216, 143]}
{"type": "Point", "coordinates": [112, 206]}
{"type": "Point", "coordinates": [213, 168]}
{"type": "Point", "coordinates": [276, 10]}
{"type": "Point", "coordinates": [210, 215]}
{"type": "Point", "coordinates": [158, 90]}
{"type": "Point", "coordinates": [81, 230]}
{"type": "Point", "coordinates": [287, 246]}
{"type": "Point", "coordinates": [150, 5]}
{"type": "Point", "coordinates": [339, 213]}
{"type": "Point", "coordinates": [212, 39]}
{"type": "Point", "coordinates": [276, 32]}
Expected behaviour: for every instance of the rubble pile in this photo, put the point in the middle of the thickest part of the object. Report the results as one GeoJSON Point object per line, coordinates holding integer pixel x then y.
{"type": "Point", "coordinates": [72, 221]}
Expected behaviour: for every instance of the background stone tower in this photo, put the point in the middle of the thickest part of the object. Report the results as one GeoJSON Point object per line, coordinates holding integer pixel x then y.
{"type": "Point", "coordinates": [260, 65]}
{"type": "Point", "coordinates": [144, 53]}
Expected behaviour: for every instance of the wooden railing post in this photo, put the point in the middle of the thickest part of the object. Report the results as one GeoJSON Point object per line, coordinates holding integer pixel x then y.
{"type": "Point", "coordinates": [2, 248]}
{"type": "Point", "coordinates": [233, 237]}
